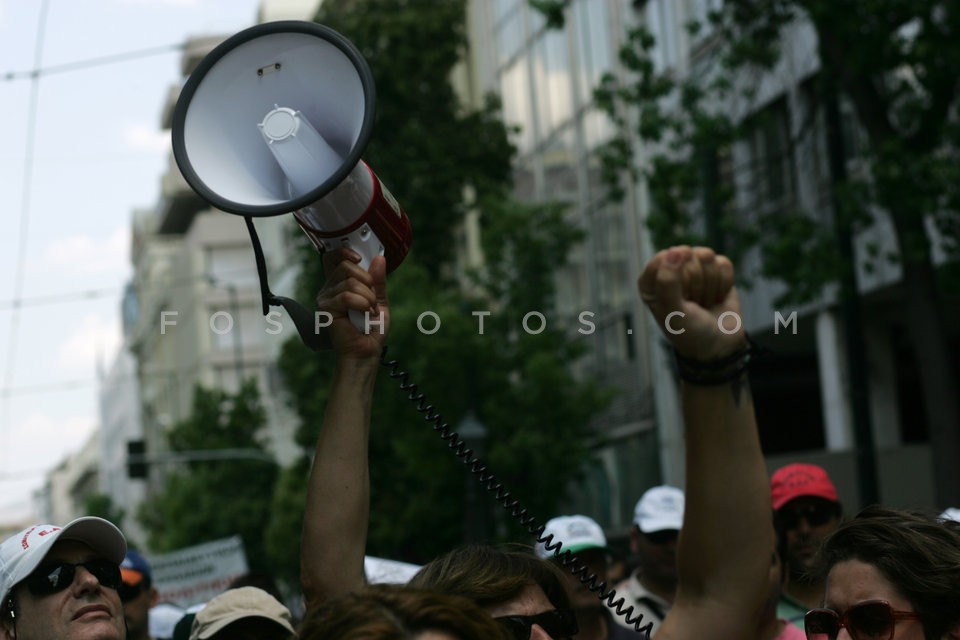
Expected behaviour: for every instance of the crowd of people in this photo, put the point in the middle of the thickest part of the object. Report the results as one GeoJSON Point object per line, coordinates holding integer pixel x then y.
{"type": "Point", "coordinates": [735, 554]}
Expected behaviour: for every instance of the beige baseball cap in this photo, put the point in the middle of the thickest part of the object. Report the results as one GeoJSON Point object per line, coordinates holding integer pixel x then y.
{"type": "Point", "coordinates": [237, 604]}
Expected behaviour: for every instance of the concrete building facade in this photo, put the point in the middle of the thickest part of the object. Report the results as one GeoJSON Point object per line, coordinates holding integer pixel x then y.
{"type": "Point", "coordinates": [192, 315]}
{"type": "Point", "coordinates": [545, 77]}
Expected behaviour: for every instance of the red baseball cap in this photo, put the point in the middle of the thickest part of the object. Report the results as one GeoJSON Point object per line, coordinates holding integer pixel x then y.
{"type": "Point", "coordinates": [801, 480]}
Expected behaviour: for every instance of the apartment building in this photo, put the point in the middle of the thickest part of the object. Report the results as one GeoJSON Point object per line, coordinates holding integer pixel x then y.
{"type": "Point", "coordinates": [192, 314]}
{"type": "Point", "coordinates": [545, 77]}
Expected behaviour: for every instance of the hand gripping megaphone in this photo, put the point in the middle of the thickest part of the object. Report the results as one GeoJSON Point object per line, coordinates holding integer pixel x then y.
{"type": "Point", "coordinates": [273, 121]}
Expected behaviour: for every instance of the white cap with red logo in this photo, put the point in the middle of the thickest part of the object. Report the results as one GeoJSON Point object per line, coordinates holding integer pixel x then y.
{"type": "Point", "coordinates": [23, 552]}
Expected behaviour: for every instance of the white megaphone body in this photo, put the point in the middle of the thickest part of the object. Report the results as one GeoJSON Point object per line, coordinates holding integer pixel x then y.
{"type": "Point", "coordinates": [273, 121]}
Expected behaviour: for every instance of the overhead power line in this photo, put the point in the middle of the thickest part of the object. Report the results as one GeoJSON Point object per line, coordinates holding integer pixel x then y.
{"type": "Point", "coordinates": [113, 292]}
{"type": "Point", "coordinates": [60, 298]}
{"type": "Point", "coordinates": [23, 235]}
{"type": "Point", "coordinates": [91, 62]}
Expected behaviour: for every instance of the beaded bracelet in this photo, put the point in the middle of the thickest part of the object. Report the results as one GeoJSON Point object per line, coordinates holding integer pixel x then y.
{"type": "Point", "coordinates": [717, 372]}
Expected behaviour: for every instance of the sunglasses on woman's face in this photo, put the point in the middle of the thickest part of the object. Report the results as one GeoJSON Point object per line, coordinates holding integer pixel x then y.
{"type": "Point", "coordinates": [57, 576]}
{"type": "Point", "coordinates": [868, 620]}
{"type": "Point", "coordinates": [559, 623]}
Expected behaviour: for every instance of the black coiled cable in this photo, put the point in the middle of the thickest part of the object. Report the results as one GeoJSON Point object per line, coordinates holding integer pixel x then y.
{"type": "Point", "coordinates": [502, 495]}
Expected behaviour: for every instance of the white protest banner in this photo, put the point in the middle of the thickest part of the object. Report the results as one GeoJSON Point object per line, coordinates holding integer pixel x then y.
{"type": "Point", "coordinates": [381, 570]}
{"type": "Point", "coordinates": [196, 574]}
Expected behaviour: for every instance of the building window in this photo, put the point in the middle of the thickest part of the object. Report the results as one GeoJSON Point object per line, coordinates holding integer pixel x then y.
{"type": "Point", "coordinates": [517, 107]}
{"type": "Point", "coordinates": [236, 265]}
{"type": "Point", "coordinates": [505, 7]}
{"type": "Point", "coordinates": [510, 37]}
{"type": "Point", "coordinates": [560, 166]}
{"type": "Point", "coordinates": [700, 11]}
{"type": "Point", "coordinates": [771, 170]}
{"type": "Point", "coordinates": [591, 20]}
{"type": "Point", "coordinates": [553, 81]}
{"type": "Point", "coordinates": [661, 21]}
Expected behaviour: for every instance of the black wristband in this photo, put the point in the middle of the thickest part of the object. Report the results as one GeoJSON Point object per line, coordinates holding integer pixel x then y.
{"type": "Point", "coordinates": [717, 372]}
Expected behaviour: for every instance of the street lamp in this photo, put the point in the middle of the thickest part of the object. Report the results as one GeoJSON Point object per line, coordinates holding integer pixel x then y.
{"type": "Point", "coordinates": [474, 434]}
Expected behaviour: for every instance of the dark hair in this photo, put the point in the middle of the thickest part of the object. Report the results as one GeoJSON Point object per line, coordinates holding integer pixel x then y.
{"type": "Point", "coordinates": [490, 576]}
{"type": "Point", "coordinates": [917, 552]}
{"type": "Point", "coordinates": [395, 612]}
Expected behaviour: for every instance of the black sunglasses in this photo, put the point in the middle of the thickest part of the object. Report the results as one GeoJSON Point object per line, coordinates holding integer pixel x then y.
{"type": "Point", "coordinates": [815, 515]}
{"type": "Point", "coordinates": [57, 576]}
{"type": "Point", "coordinates": [868, 620]}
{"type": "Point", "coordinates": [559, 623]}
{"type": "Point", "coordinates": [662, 537]}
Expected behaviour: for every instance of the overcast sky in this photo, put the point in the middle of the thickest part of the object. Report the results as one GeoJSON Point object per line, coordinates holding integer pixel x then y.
{"type": "Point", "coordinates": [81, 149]}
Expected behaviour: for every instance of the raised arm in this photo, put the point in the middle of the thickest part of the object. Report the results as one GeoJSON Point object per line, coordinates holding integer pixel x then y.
{"type": "Point", "coordinates": [337, 510]}
{"type": "Point", "coordinates": [726, 542]}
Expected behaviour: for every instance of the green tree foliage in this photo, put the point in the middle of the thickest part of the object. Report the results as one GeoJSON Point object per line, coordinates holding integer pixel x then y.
{"type": "Point", "coordinates": [515, 379]}
{"type": "Point", "coordinates": [432, 152]}
{"type": "Point", "coordinates": [423, 141]}
{"type": "Point", "coordinates": [100, 505]}
{"type": "Point", "coordinates": [208, 499]}
{"type": "Point", "coordinates": [895, 62]}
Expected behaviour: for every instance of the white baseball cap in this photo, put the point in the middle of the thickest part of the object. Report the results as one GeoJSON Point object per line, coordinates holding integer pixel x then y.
{"type": "Point", "coordinates": [950, 513]}
{"type": "Point", "coordinates": [659, 509]}
{"type": "Point", "coordinates": [576, 533]}
{"type": "Point", "coordinates": [23, 552]}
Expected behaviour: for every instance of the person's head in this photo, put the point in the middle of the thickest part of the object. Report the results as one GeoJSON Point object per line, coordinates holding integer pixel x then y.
{"type": "Point", "coordinates": [513, 585]}
{"type": "Point", "coordinates": [243, 613]}
{"type": "Point", "coordinates": [657, 520]}
{"type": "Point", "coordinates": [259, 579]}
{"type": "Point", "coordinates": [394, 612]}
{"type": "Point", "coordinates": [908, 560]}
{"type": "Point", "coordinates": [582, 537]}
{"type": "Point", "coordinates": [61, 582]}
{"type": "Point", "coordinates": [137, 594]}
{"type": "Point", "coordinates": [806, 509]}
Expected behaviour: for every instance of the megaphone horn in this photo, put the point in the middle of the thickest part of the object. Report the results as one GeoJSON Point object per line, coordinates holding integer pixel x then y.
{"type": "Point", "coordinates": [274, 120]}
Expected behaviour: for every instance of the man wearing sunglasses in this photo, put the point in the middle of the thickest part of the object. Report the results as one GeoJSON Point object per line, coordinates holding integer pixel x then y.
{"type": "Point", "coordinates": [137, 594]}
{"type": "Point", "coordinates": [657, 519]}
{"type": "Point", "coordinates": [806, 510]}
{"type": "Point", "coordinates": [61, 582]}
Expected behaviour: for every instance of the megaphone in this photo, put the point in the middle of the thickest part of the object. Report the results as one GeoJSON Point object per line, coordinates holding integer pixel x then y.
{"type": "Point", "coordinates": [274, 120]}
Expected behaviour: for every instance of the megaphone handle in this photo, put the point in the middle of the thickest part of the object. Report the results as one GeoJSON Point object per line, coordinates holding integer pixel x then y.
{"type": "Point", "coordinates": [358, 319]}
{"type": "Point", "coordinates": [368, 246]}
{"type": "Point", "coordinates": [265, 294]}
{"type": "Point", "coordinates": [302, 319]}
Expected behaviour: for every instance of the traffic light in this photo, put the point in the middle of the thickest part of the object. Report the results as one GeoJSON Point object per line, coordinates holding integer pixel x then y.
{"type": "Point", "coordinates": [136, 459]}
